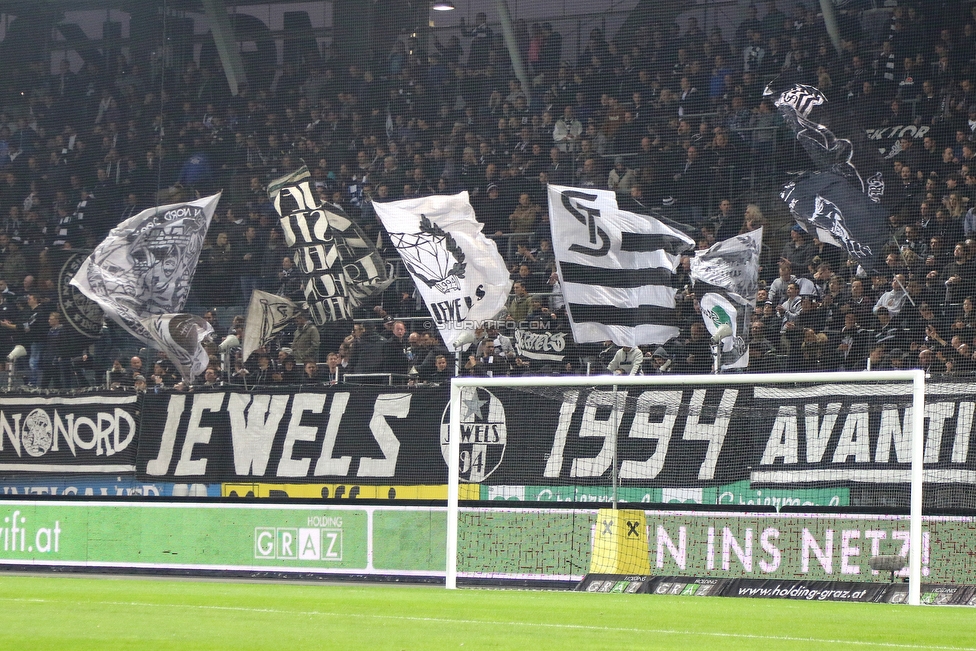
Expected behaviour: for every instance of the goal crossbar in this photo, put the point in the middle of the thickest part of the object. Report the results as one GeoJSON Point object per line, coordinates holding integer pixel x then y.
{"type": "Point", "coordinates": [915, 376]}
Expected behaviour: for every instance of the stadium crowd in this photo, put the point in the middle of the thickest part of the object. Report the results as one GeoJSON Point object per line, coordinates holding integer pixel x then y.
{"type": "Point", "coordinates": [672, 118]}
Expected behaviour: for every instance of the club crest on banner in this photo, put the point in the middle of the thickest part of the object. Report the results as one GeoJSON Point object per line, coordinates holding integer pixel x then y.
{"type": "Point", "coordinates": [458, 272]}
{"type": "Point", "coordinates": [38, 434]}
{"type": "Point", "coordinates": [484, 434]}
{"type": "Point", "coordinates": [716, 311]}
{"type": "Point", "coordinates": [801, 98]}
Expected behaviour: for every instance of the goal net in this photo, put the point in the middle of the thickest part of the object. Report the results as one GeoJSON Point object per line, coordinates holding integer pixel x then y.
{"type": "Point", "coordinates": [702, 475]}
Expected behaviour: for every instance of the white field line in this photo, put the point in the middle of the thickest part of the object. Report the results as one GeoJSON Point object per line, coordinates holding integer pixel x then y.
{"type": "Point", "coordinates": [542, 625]}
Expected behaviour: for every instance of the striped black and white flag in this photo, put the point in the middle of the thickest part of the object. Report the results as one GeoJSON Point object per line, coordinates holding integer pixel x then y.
{"type": "Point", "coordinates": [615, 268]}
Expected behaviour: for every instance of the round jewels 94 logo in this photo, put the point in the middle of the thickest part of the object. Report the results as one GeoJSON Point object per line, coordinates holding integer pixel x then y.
{"type": "Point", "coordinates": [483, 434]}
{"type": "Point", "coordinates": [37, 434]}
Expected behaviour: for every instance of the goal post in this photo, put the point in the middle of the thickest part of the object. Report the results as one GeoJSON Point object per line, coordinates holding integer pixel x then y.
{"type": "Point", "coordinates": [916, 379]}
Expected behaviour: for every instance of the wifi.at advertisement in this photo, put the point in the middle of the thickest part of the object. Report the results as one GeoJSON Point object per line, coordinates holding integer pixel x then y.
{"type": "Point", "coordinates": [22, 534]}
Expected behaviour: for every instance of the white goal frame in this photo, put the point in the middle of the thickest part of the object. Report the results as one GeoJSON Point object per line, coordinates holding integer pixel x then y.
{"type": "Point", "coordinates": [915, 376]}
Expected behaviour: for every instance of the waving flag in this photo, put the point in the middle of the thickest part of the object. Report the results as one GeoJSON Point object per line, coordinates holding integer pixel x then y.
{"type": "Point", "coordinates": [181, 337]}
{"type": "Point", "coordinates": [827, 204]}
{"type": "Point", "coordinates": [341, 268]}
{"type": "Point", "coordinates": [731, 270]}
{"type": "Point", "coordinates": [847, 195]}
{"type": "Point", "coordinates": [267, 315]}
{"type": "Point", "coordinates": [146, 264]}
{"type": "Point", "coordinates": [615, 268]}
{"type": "Point", "coordinates": [458, 271]}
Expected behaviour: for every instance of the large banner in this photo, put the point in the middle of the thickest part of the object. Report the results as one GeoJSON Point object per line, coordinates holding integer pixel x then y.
{"type": "Point", "coordinates": [375, 436]}
{"type": "Point", "coordinates": [222, 537]}
{"type": "Point", "coordinates": [690, 438]}
{"type": "Point", "coordinates": [747, 554]}
{"type": "Point", "coordinates": [362, 434]}
{"type": "Point", "coordinates": [838, 433]}
{"type": "Point", "coordinates": [772, 445]}
{"type": "Point", "coordinates": [68, 435]}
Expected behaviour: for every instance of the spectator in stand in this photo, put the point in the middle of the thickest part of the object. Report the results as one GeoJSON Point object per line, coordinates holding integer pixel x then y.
{"type": "Point", "coordinates": [139, 384]}
{"type": "Point", "coordinates": [481, 38]}
{"type": "Point", "coordinates": [395, 358]}
{"type": "Point", "coordinates": [311, 377]}
{"type": "Point", "coordinates": [118, 378]}
{"type": "Point", "coordinates": [333, 368]}
{"type": "Point", "coordinates": [626, 361]}
{"type": "Point", "coordinates": [29, 333]}
{"type": "Point", "coordinates": [250, 251]}
{"type": "Point", "coordinates": [799, 250]}
{"type": "Point", "coordinates": [567, 131]}
{"type": "Point", "coordinates": [894, 299]}
{"type": "Point", "coordinates": [439, 373]}
{"type": "Point", "coordinates": [365, 346]}
{"type": "Point", "coordinates": [621, 177]}
{"type": "Point", "coordinates": [493, 211]}
{"type": "Point", "coordinates": [305, 343]}
{"type": "Point", "coordinates": [217, 271]}
{"type": "Point", "coordinates": [690, 180]}
{"type": "Point", "coordinates": [524, 218]}
{"type": "Point", "coordinates": [211, 380]}
{"type": "Point", "coordinates": [520, 304]}
{"type": "Point", "coordinates": [55, 360]}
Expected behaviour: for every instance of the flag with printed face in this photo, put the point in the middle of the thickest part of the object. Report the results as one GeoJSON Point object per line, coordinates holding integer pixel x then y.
{"type": "Point", "coordinates": [615, 268]}
{"type": "Point", "coordinates": [181, 337]}
{"type": "Point", "coordinates": [458, 271]}
{"type": "Point", "coordinates": [340, 267]}
{"type": "Point", "coordinates": [267, 315]}
{"type": "Point", "coordinates": [146, 264]}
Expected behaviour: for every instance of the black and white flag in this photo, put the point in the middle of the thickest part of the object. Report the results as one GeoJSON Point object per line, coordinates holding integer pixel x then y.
{"type": "Point", "coordinates": [615, 268]}
{"type": "Point", "coordinates": [846, 196]}
{"type": "Point", "coordinates": [458, 271]}
{"type": "Point", "coordinates": [730, 270]}
{"type": "Point", "coordinates": [181, 336]}
{"type": "Point", "coordinates": [267, 315]}
{"type": "Point", "coordinates": [146, 264]}
{"type": "Point", "coordinates": [341, 268]}
{"type": "Point", "coordinates": [828, 206]}
{"type": "Point", "coordinates": [731, 264]}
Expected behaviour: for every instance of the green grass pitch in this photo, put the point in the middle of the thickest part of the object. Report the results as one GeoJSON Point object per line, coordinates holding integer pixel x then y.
{"type": "Point", "coordinates": [67, 613]}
